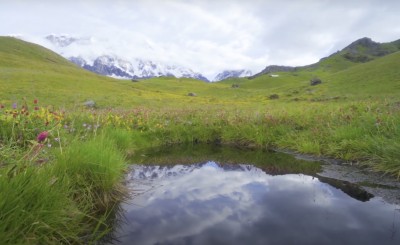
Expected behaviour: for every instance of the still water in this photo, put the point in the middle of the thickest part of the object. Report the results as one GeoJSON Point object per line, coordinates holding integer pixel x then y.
{"type": "Point", "coordinates": [215, 203]}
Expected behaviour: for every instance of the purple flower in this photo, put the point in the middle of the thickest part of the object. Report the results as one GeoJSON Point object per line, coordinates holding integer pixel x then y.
{"type": "Point", "coordinates": [14, 105]}
{"type": "Point", "coordinates": [42, 136]}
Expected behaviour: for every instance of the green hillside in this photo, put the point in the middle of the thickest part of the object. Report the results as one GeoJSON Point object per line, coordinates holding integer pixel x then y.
{"type": "Point", "coordinates": [379, 78]}
{"type": "Point", "coordinates": [30, 71]}
{"type": "Point", "coordinates": [360, 51]}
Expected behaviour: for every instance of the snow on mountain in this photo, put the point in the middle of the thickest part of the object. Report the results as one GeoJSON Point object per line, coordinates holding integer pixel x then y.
{"type": "Point", "coordinates": [116, 67]}
{"type": "Point", "coordinates": [113, 65]}
{"type": "Point", "coordinates": [231, 74]}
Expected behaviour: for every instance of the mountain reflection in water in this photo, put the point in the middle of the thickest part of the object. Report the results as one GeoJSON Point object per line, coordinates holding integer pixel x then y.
{"type": "Point", "coordinates": [212, 203]}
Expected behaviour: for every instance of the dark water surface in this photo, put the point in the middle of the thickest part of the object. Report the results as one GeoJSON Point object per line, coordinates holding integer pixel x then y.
{"type": "Point", "coordinates": [214, 203]}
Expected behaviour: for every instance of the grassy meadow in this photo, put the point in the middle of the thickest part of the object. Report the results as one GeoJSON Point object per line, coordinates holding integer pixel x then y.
{"type": "Point", "coordinates": [62, 164]}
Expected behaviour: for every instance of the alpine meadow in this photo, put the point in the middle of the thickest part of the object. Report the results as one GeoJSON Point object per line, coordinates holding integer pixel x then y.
{"type": "Point", "coordinates": [67, 134]}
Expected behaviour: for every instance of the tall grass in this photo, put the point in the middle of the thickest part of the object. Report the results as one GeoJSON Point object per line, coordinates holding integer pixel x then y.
{"type": "Point", "coordinates": [36, 210]}
{"type": "Point", "coordinates": [92, 168]}
{"type": "Point", "coordinates": [364, 132]}
{"type": "Point", "coordinates": [69, 198]}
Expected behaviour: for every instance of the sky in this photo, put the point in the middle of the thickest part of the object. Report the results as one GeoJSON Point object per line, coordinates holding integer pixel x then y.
{"type": "Point", "coordinates": [207, 36]}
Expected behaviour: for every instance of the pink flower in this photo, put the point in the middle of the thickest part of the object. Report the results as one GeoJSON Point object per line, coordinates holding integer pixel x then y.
{"type": "Point", "coordinates": [42, 136]}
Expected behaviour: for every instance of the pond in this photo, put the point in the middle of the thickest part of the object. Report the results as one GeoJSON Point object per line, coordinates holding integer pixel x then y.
{"type": "Point", "coordinates": [250, 200]}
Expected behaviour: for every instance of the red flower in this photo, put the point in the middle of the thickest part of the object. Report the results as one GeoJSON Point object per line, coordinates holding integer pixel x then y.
{"type": "Point", "coordinates": [1, 106]}
{"type": "Point", "coordinates": [42, 136]}
{"type": "Point", "coordinates": [35, 101]}
{"type": "Point", "coordinates": [36, 108]}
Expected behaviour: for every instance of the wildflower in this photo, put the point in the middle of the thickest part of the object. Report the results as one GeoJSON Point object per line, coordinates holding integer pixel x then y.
{"type": "Point", "coordinates": [1, 106]}
{"type": "Point", "coordinates": [35, 101]}
{"type": "Point", "coordinates": [36, 108]}
{"type": "Point", "coordinates": [42, 136]}
{"type": "Point", "coordinates": [57, 139]}
{"type": "Point", "coordinates": [14, 105]}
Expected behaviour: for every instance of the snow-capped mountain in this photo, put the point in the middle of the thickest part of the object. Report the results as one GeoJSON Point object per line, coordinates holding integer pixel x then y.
{"type": "Point", "coordinates": [113, 65]}
{"type": "Point", "coordinates": [231, 74]}
{"type": "Point", "coordinates": [119, 68]}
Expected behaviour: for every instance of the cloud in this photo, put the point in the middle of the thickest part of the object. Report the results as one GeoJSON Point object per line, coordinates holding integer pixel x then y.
{"type": "Point", "coordinates": [209, 36]}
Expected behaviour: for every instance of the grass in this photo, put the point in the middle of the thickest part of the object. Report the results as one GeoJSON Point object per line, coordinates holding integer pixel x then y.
{"type": "Point", "coordinates": [64, 200]}
{"type": "Point", "coordinates": [35, 209]}
{"type": "Point", "coordinates": [63, 189]}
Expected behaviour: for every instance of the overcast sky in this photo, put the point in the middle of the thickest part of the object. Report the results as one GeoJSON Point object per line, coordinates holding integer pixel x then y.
{"type": "Point", "coordinates": [208, 35]}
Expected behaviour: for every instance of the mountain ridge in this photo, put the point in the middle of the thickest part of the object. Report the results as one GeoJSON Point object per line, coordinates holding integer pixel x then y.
{"type": "Point", "coordinates": [360, 51]}
{"type": "Point", "coordinates": [116, 67]}
{"type": "Point", "coordinates": [119, 67]}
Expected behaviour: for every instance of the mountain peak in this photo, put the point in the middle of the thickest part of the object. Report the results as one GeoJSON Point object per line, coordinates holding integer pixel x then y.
{"type": "Point", "coordinates": [232, 73]}
{"type": "Point", "coordinates": [113, 66]}
{"type": "Point", "coordinates": [365, 42]}
{"type": "Point", "coordinates": [364, 50]}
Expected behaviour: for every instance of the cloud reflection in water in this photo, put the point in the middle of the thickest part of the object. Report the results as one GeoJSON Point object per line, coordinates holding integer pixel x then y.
{"type": "Point", "coordinates": [240, 204]}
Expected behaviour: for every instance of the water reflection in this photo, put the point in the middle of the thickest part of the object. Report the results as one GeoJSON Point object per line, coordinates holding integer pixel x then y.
{"type": "Point", "coordinates": [211, 203]}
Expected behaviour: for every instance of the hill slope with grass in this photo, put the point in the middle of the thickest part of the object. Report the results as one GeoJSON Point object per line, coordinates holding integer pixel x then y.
{"type": "Point", "coordinates": [379, 78]}
{"type": "Point", "coordinates": [31, 71]}
{"type": "Point", "coordinates": [360, 51]}
{"type": "Point", "coordinates": [28, 70]}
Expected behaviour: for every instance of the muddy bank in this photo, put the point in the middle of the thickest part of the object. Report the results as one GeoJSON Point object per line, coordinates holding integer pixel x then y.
{"type": "Point", "coordinates": [377, 184]}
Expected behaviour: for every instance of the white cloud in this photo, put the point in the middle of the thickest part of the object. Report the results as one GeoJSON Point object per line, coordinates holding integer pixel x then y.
{"type": "Point", "coordinates": [209, 36]}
